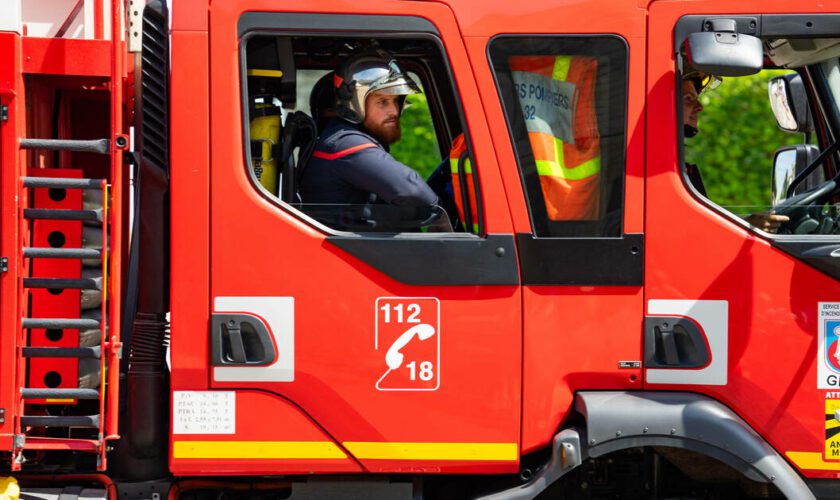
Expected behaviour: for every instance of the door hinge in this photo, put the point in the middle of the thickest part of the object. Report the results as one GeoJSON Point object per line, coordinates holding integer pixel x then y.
{"type": "Point", "coordinates": [2, 415]}
{"type": "Point", "coordinates": [4, 112]}
{"type": "Point", "coordinates": [4, 264]}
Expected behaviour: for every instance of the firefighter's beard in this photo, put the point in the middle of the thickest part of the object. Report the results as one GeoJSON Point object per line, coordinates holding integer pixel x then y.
{"type": "Point", "coordinates": [386, 132]}
{"type": "Point", "coordinates": [690, 131]}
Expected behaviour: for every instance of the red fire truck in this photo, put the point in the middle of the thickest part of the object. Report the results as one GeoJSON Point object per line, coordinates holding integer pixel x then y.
{"type": "Point", "coordinates": [177, 321]}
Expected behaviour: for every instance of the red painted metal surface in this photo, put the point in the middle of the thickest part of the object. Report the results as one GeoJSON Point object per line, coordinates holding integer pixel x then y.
{"type": "Point", "coordinates": [12, 370]}
{"type": "Point", "coordinates": [573, 337]}
{"type": "Point", "coordinates": [190, 233]}
{"type": "Point", "coordinates": [478, 401]}
{"type": "Point", "coordinates": [67, 56]}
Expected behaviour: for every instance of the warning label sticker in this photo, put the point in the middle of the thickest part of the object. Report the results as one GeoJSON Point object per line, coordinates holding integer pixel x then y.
{"type": "Point", "coordinates": [203, 412]}
{"type": "Point", "coordinates": [832, 429]}
{"type": "Point", "coordinates": [408, 340]}
{"type": "Point", "coordinates": [828, 355]}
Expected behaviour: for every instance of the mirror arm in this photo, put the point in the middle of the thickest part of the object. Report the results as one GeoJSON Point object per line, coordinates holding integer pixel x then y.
{"type": "Point", "coordinates": [810, 168]}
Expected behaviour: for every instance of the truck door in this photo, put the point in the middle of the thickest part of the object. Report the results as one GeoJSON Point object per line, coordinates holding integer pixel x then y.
{"type": "Point", "coordinates": [732, 311]}
{"type": "Point", "coordinates": [566, 111]}
{"type": "Point", "coordinates": [401, 342]}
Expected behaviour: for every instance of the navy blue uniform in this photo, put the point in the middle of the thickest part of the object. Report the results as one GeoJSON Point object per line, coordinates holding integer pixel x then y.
{"type": "Point", "coordinates": [348, 166]}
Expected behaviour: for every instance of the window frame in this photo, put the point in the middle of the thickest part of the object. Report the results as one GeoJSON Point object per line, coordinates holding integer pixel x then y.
{"type": "Point", "coordinates": [248, 32]}
{"type": "Point", "coordinates": [544, 225]}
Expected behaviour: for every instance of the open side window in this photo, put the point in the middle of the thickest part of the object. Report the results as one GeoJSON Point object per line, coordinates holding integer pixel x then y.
{"type": "Point", "coordinates": [288, 106]}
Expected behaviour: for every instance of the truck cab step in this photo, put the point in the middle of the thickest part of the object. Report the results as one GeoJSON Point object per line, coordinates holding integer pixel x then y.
{"type": "Point", "coordinates": [59, 393]}
{"type": "Point", "coordinates": [53, 214]}
{"type": "Point", "coordinates": [60, 421]}
{"type": "Point", "coordinates": [61, 182]}
{"type": "Point", "coordinates": [61, 352]}
{"type": "Point", "coordinates": [62, 253]}
{"type": "Point", "coordinates": [101, 146]}
{"type": "Point", "coordinates": [62, 323]}
{"type": "Point", "coordinates": [74, 283]}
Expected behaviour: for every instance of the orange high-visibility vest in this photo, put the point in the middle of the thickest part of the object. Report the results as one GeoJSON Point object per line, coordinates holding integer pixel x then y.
{"type": "Point", "coordinates": [557, 96]}
{"type": "Point", "coordinates": [459, 155]}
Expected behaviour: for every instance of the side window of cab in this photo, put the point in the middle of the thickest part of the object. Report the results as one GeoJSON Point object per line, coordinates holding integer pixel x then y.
{"type": "Point", "coordinates": [759, 147]}
{"type": "Point", "coordinates": [565, 101]}
{"type": "Point", "coordinates": [358, 134]}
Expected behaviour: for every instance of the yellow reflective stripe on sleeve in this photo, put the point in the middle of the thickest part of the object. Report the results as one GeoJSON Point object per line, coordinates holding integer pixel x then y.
{"type": "Point", "coordinates": [582, 171]}
{"type": "Point", "coordinates": [453, 166]}
{"type": "Point", "coordinates": [561, 67]}
{"type": "Point", "coordinates": [811, 460]}
{"type": "Point", "coordinates": [434, 451]}
{"type": "Point", "coordinates": [257, 449]}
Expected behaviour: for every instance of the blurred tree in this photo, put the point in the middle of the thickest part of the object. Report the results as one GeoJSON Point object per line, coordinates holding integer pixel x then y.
{"type": "Point", "coordinates": [737, 139]}
{"type": "Point", "coordinates": [418, 147]}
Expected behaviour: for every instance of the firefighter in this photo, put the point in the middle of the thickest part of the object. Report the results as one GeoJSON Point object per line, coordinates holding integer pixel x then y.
{"type": "Point", "coordinates": [351, 163]}
{"type": "Point", "coordinates": [322, 100]}
{"type": "Point", "coordinates": [695, 83]}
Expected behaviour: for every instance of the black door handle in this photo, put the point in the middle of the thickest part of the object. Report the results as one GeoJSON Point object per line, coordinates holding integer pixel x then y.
{"type": "Point", "coordinates": [672, 342]}
{"type": "Point", "coordinates": [240, 339]}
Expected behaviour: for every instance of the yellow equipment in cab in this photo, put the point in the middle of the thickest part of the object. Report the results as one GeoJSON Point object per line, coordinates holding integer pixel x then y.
{"type": "Point", "coordinates": [265, 128]}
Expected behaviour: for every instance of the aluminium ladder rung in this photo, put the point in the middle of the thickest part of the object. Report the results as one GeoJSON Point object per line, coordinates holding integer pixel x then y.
{"type": "Point", "coordinates": [53, 214]}
{"type": "Point", "coordinates": [61, 182]}
{"type": "Point", "coordinates": [61, 323]}
{"type": "Point", "coordinates": [101, 146]}
{"type": "Point", "coordinates": [61, 352]}
{"type": "Point", "coordinates": [62, 253]}
{"type": "Point", "coordinates": [58, 393]}
{"type": "Point", "coordinates": [74, 283]}
{"type": "Point", "coordinates": [60, 421]}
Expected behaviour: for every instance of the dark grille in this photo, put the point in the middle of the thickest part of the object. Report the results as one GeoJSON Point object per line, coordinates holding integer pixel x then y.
{"type": "Point", "coordinates": [154, 100]}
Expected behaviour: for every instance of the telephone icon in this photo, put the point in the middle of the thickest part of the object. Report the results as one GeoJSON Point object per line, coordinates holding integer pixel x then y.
{"type": "Point", "coordinates": [394, 358]}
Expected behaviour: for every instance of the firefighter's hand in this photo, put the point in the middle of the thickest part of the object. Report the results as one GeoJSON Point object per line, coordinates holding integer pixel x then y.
{"type": "Point", "coordinates": [767, 221]}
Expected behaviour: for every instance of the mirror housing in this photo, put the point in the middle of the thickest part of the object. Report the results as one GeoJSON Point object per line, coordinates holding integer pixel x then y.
{"type": "Point", "coordinates": [787, 164]}
{"type": "Point", "coordinates": [789, 102]}
{"type": "Point", "coordinates": [724, 53]}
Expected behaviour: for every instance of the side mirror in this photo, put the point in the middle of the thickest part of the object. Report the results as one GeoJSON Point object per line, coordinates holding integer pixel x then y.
{"type": "Point", "coordinates": [724, 53]}
{"type": "Point", "coordinates": [787, 164]}
{"type": "Point", "coordinates": [790, 103]}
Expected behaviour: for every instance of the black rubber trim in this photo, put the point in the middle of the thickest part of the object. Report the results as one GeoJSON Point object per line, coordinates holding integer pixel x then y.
{"type": "Point", "coordinates": [582, 261]}
{"type": "Point", "coordinates": [437, 261]}
{"type": "Point", "coordinates": [822, 253]}
{"type": "Point", "coordinates": [325, 22]}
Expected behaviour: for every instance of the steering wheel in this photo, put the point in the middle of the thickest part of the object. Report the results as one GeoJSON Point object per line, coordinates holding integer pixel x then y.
{"type": "Point", "coordinates": [797, 207]}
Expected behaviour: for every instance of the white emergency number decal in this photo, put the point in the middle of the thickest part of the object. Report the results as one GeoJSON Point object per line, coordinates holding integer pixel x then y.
{"type": "Point", "coordinates": [408, 342]}
{"type": "Point", "coordinates": [203, 412]}
{"type": "Point", "coordinates": [828, 346]}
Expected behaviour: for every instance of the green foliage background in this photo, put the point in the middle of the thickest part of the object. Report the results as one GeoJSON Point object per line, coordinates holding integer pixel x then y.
{"type": "Point", "coordinates": [734, 149]}
{"type": "Point", "coordinates": [418, 147]}
{"type": "Point", "coordinates": [738, 137]}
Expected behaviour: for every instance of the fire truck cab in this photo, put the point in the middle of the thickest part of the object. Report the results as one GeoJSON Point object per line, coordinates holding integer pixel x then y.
{"type": "Point", "coordinates": [576, 317]}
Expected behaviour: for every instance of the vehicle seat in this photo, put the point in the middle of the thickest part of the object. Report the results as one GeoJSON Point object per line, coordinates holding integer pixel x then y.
{"type": "Point", "coordinates": [299, 133]}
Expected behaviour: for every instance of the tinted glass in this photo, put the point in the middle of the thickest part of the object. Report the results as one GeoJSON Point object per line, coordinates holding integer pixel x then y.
{"type": "Point", "coordinates": [565, 100]}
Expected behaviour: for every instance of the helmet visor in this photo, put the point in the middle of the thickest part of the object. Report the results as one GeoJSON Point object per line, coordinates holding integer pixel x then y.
{"type": "Point", "coordinates": [395, 82]}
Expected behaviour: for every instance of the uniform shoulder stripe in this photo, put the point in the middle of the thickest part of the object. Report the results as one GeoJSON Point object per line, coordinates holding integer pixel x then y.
{"type": "Point", "coordinates": [344, 152]}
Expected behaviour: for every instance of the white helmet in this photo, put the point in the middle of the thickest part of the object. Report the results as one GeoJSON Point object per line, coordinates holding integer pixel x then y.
{"type": "Point", "coordinates": [368, 72]}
